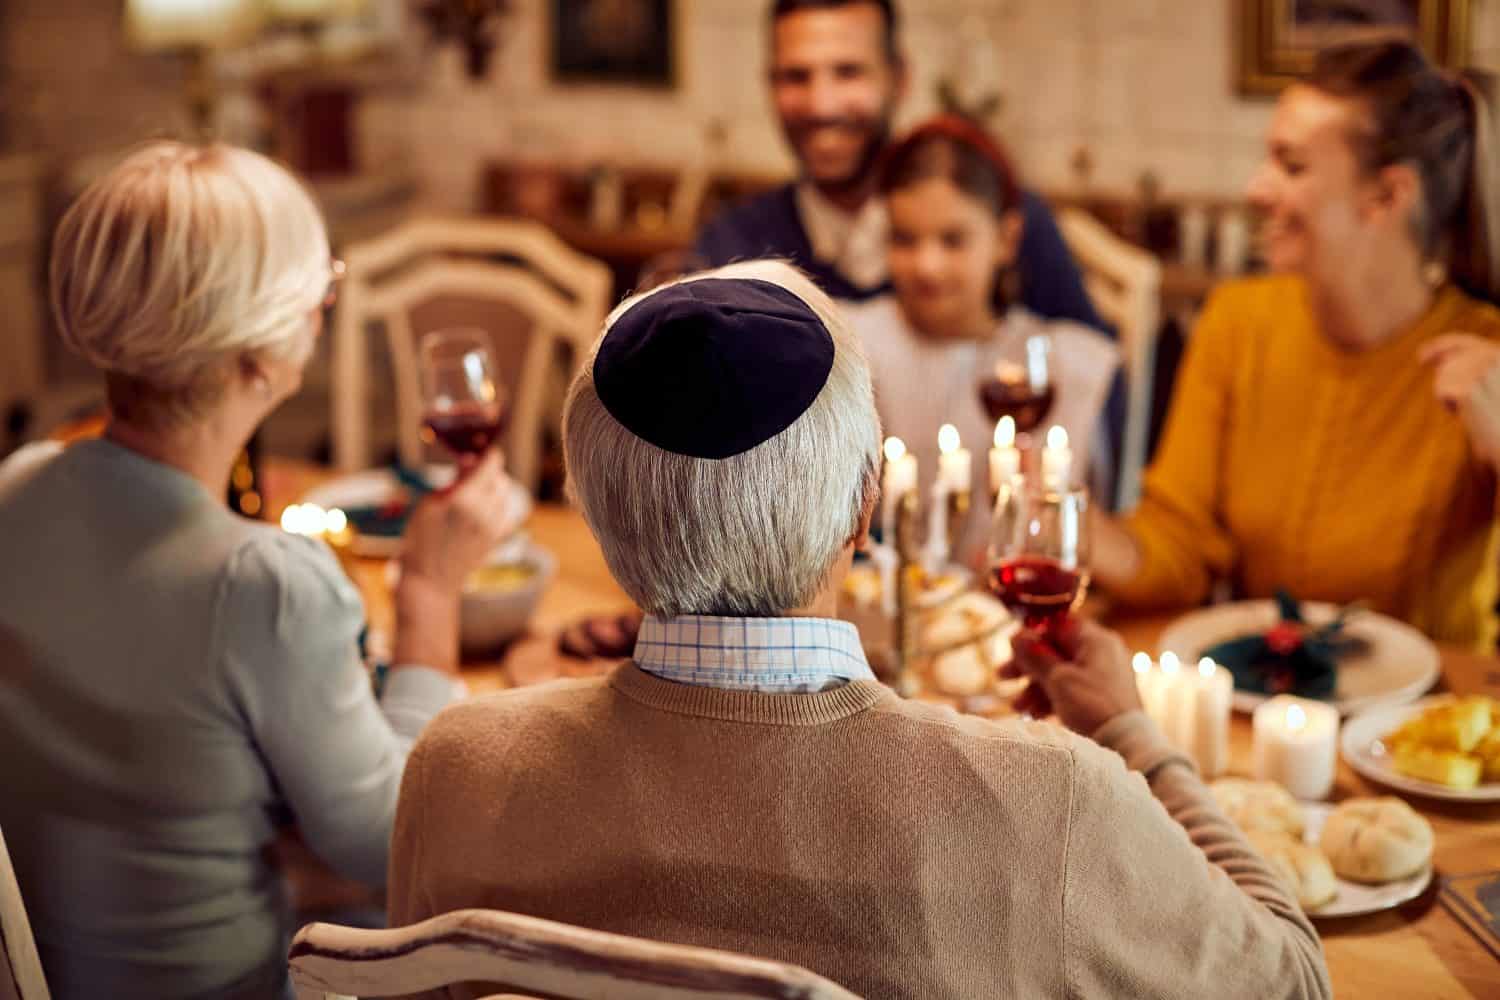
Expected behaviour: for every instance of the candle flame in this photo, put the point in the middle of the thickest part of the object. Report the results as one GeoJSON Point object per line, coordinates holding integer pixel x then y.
{"type": "Point", "coordinates": [1170, 664]}
{"type": "Point", "coordinates": [1057, 437]}
{"type": "Point", "coordinates": [1005, 432]}
{"type": "Point", "coordinates": [336, 521]}
{"type": "Point", "coordinates": [1296, 718]}
{"type": "Point", "coordinates": [895, 448]}
{"type": "Point", "coordinates": [948, 439]}
{"type": "Point", "coordinates": [1141, 662]}
{"type": "Point", "coordinates": [305, 519]}
{"type": "Point", "coordinates": [1207, 667]}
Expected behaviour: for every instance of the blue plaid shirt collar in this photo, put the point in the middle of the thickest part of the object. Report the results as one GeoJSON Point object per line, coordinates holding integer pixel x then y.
{"type": "Point", "coordinates": [752, 654]}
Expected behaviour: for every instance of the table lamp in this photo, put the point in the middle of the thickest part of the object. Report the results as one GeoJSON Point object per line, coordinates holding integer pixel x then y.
{"type": "Point", "coordinates": [195, 28]}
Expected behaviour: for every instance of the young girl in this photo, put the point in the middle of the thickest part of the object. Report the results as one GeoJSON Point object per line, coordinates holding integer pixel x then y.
{"type": "Point", "coordinates": [955, 224]}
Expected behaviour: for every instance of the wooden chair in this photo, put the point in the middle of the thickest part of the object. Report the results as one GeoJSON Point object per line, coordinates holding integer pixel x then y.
{"type": "Point", "coordinates": [517, 280]}
{"type": "Point", "coordinates": [20, 968]}
{"type": "Point", "coordinates": [527, 954]}
{"type": "Point", "coordinates": [1124, 283]}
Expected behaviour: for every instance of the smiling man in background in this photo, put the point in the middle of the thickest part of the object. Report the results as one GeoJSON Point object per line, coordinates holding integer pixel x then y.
{"type": "Point", "coordinates": [837, 75]}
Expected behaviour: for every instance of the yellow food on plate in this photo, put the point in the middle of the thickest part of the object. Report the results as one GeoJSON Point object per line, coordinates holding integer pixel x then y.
{"type": "Point", "coordinates": [1455, 744]}
{"type": "Point", "coordinates": [501, 576]}
{"type": "Point", "coordinates": [1442, 767]}
{"type": "Point", "coordinates": [1488, 751]}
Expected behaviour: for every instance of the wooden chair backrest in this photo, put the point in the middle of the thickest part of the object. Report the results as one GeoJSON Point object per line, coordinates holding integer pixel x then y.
{"type": "Point", "coordinates": [1124, 283]}
{"type": "Point", "coordinates": [20, 969]}
{"type": "Point", "coordinates": [529, 956]}
{"type": "Point", "coordinates": [521, 267]}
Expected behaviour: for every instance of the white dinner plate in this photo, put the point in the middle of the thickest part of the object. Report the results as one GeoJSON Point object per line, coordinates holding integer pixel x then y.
{"type": "Point", "coordinates": [1355, 899]}
{"type": "Point", "coordinates": [1401, 663]}
{"type": "Point", "coordinates": [375, 487]}
{"type": "Point", "coordinates": [1362, 746]}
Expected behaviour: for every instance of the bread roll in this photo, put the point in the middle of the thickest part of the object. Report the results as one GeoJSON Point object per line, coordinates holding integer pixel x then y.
{"type": "Point", "coordinates": [1301, 867]}
{"type": "Point", "coordinates": [1376, 840]}
{"type": "Point", "coordinates": [1259, 806]}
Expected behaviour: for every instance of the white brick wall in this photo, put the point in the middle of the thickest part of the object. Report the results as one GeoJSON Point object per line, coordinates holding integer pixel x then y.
{"type": "Point", "coordinates": [1144, 84]}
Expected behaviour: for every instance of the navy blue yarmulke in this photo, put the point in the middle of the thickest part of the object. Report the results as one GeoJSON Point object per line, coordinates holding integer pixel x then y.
{"type": "Point", "coordinates": [713, 367]}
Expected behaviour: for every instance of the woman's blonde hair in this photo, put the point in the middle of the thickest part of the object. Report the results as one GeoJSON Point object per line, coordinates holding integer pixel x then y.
{"type": "Point", "coordinates": [180, 259]}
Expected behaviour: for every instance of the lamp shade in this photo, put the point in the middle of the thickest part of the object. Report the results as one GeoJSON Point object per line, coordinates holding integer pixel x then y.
{"type": "Point", "coordinates": [168, 24]}
{"type": "Point", "coordinates": [312, 10]}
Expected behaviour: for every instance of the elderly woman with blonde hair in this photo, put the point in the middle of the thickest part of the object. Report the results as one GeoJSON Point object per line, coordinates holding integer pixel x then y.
{"type": "Point", "coordinates": [744, 782]}
{"type": "Point", "coordinates": [174, 678]}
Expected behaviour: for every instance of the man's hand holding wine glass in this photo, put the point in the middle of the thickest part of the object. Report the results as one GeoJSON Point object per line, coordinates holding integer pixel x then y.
{"type": "Point", "coordinates": [1078, 669]}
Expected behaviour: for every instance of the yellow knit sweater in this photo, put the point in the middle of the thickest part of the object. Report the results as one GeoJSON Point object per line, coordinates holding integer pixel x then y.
{"type": "Point", "coordinates": [1288, 462]}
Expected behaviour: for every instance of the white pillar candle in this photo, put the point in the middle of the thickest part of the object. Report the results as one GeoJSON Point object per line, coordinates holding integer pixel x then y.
{"type": "Point", "coordinates": [1177, 702]}
{"type": "Point", "coordinates": [1005, 457]}
{"type": "Point", "coordinates": [900, 479]}
{"type": "Point", "coordinates": [1296, 745]}
{"type": "Point", "coordinates": [1148, 683]}
{"type": "Point", "coordinates": [1057, 460]}
{"type": "Point", "coordinates": [1213, 693]}
{"type": "Point", "coordinates": [955, 463]}
{"type": "Point", "coordinates": [935, 552]}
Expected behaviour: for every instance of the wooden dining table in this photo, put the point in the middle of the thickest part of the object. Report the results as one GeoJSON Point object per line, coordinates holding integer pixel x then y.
{"type": "Point", "coordinates": [1417, 950]}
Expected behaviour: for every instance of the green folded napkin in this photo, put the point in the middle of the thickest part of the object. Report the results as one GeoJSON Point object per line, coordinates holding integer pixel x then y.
{"type": "Point", "coordinates": [1292, 657]}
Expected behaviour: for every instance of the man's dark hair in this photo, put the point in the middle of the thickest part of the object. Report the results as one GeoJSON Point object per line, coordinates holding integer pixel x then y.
{"type": "Point", "coordinates": [887, 10]}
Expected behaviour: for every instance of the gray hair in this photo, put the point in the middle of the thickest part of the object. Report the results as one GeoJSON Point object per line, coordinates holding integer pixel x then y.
{"type": "Point", "coordinates": [755, 534]}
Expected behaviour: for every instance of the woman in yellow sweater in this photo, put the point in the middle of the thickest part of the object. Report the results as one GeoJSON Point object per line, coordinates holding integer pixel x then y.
{"type": "Point", "coordinates": [1336, 426]}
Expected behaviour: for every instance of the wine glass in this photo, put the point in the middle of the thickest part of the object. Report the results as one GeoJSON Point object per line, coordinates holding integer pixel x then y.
{"type": "Point", "coordinates": [463, 403]}
{"type": "Point", "coordinates": [1019, 386]}
{"type": "Point", "coordinates": [1039, 552]}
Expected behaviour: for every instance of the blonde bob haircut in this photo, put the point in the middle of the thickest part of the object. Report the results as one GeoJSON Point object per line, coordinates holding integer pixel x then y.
{"type": "Point", "coordinates": [178, 262]}
{"type": "Point", "coordinates": [754, 535]}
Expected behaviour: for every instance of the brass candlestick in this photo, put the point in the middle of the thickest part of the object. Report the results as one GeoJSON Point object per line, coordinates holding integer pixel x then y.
{"type": "Point", "coordinates": [958, 519]}
{"type": "Point", "coordinates": [907, 547]}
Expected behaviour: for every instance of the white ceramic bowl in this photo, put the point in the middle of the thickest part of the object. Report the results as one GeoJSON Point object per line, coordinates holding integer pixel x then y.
{"type": "Point", "coordinates": [492, 616]}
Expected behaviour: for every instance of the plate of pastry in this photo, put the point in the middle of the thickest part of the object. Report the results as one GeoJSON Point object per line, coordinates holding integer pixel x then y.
{"type": "Point", "coordinates": [1358, 857]}
{"type": "Point", "coordinates": [1443, 747]}
{"type": "Point", "coordinates": [1369, 659]}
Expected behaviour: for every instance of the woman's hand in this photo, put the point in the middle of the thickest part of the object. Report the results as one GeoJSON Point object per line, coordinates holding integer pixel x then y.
{"type": "Point", "coordinates": [451, 531]}
{"type": "Point", "coordinates": [448, 536]}
{"type": "Point", "coordinates": [1466, 379]}
{"type": "Point", "coordinates": [1079, 669]}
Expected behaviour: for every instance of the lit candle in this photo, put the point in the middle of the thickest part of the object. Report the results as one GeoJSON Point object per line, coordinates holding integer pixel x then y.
{"type": "Point", "coordinates": [1177, 702]}
{"type": "Point", "coordinates": [1213, 694]}
{"type": "Point", "coordinates": [954, 475]}
{"type": "Point", "coordinates": [1148, 681]}
{"type": "Point", "coordinates": [1295, 744]}
{"type": "Point", "coordinates": [900, 479]}
{"type": "Point", "coordinates": [1005, 457]}
{"type": "Point", "coordinates": [955, 464]}
{"type": "Point", "coordinates": [309, 519]}
{"type": "Point", "coordinates": [1057, 460]}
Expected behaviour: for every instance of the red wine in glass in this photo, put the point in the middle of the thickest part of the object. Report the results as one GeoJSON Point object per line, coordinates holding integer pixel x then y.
{"type": "Point", "coordinates": [466, 429]}
{"type": "Point", "coordinates": [1040, 590]}
{"type": "Point", "coordinates": [1009, 393]}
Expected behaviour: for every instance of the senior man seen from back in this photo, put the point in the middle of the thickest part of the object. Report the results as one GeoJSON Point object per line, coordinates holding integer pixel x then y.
{"type": "Point", "coordinates": [744, 782]}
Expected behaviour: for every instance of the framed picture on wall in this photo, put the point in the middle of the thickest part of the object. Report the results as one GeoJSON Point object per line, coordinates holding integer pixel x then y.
{"type": "Point", "coordinates": [1277, 39]}
{"type": "Point", "coordinates": [624, 42]}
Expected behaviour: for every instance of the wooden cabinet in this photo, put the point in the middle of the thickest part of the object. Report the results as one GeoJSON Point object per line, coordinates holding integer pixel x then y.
{"type": "Point", "coordinates": [21, 316]}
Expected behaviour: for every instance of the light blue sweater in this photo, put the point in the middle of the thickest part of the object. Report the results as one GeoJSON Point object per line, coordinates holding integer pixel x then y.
{"type": "Point", "coordinates": [174, 682]}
